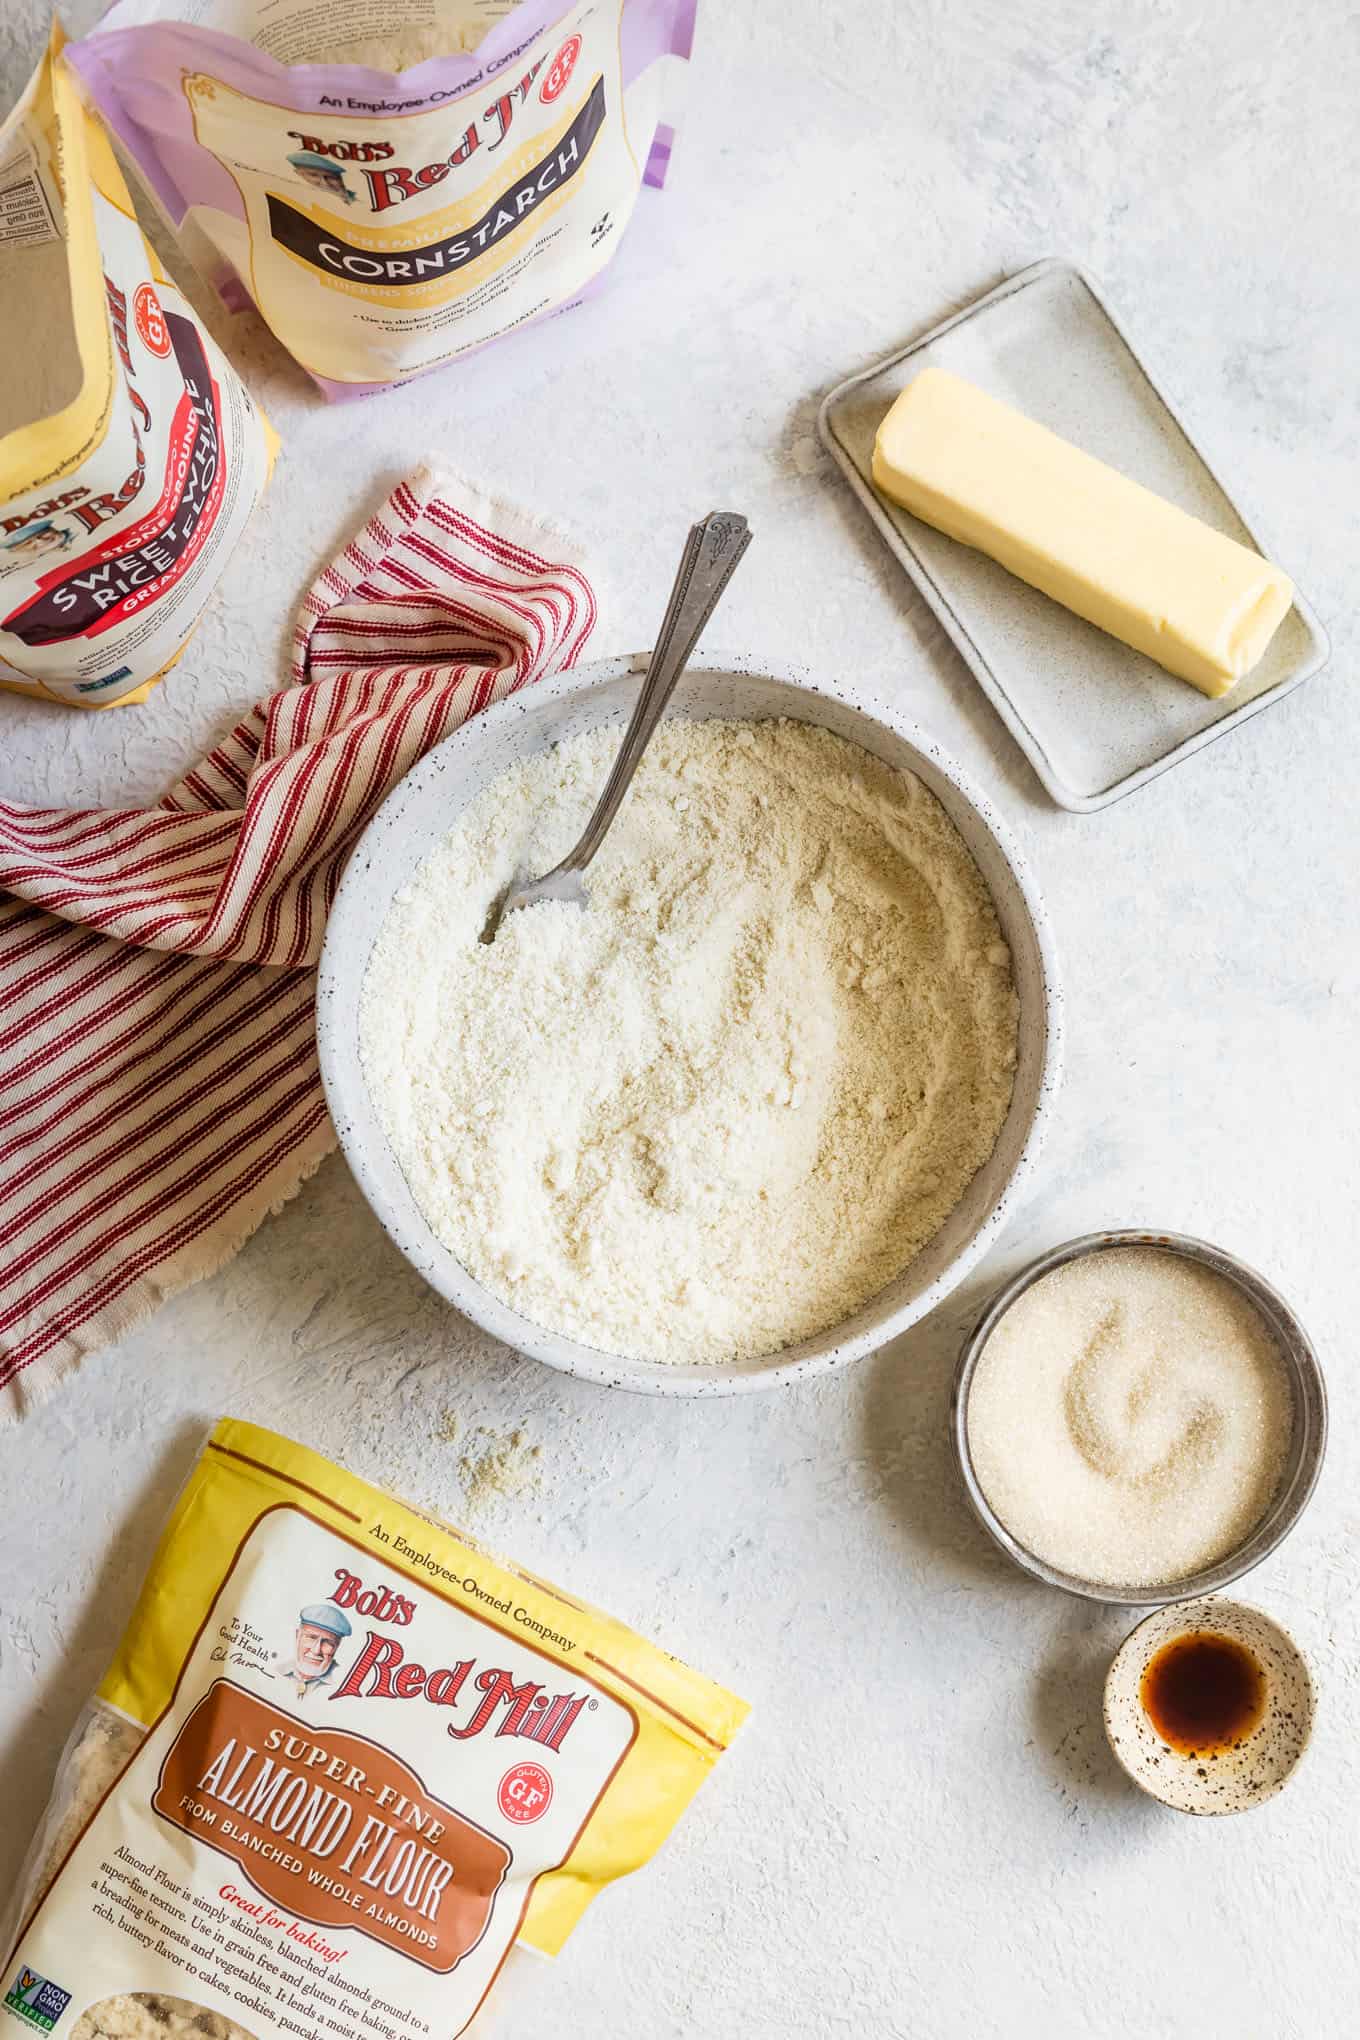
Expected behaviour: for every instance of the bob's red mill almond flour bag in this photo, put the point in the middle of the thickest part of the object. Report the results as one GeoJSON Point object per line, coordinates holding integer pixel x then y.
{"type": "Point", "coordinates": [342, 1761]}
{"type": "Point", "coordinates": [393, 182]}
{"type": "Point", "coordinates": [130, 454]}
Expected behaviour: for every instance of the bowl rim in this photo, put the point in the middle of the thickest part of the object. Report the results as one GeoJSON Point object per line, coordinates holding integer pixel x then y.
{"type": "Point", "coordinates": [1221, 1605]}
{"type": "Point", "coordinates": [558, 1350]}
{"type": "Point", "coordinates": [1308, 1445]}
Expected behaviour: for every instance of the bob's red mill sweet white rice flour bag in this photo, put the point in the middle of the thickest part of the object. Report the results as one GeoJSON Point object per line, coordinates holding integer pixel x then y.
{"type": "Point", "coordinates": [342, 1761]}
{"type": "Point", "coordinates": [382, 223]}
{"type": "Point", "coordinates": [130, 454]}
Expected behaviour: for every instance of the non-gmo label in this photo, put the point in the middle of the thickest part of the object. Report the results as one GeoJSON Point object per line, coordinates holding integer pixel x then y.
{"type": "Point", "coordinates": [36, 2000]}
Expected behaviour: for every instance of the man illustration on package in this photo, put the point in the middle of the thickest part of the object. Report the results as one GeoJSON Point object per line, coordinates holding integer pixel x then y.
{"type": "Point", "coordinates": [321, 172]}
{"type": "Point", "coordinates": [322, 1628]}
{"type": "Point", "coordinates": [34, 539]}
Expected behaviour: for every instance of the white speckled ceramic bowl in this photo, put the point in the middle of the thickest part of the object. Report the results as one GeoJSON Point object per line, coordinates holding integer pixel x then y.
{"type": "Point", "coordinates": [1257, 1767]}
{"type": "Point", "coordinates": [421, 811]}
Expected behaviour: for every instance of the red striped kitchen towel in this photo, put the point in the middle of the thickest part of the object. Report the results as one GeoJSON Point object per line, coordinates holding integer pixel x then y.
{"type": "Point", "coordinates": [159, 1091]}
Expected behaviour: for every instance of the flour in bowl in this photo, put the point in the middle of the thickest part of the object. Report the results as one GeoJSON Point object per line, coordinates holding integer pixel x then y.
{"type": "Point", "coordinates": [720, 1108]}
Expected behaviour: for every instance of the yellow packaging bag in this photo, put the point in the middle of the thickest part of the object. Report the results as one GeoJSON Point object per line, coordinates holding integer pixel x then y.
{"type": "Point", "coordinates": [131, 455]}
{"type": "Point", "coordinates": [342, 1761]}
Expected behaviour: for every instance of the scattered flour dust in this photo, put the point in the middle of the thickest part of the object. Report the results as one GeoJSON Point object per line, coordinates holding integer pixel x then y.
{"type": "Point", "coordinates": [719, 1109]}
{"type": "Point", "coordinates": [494, 1465]}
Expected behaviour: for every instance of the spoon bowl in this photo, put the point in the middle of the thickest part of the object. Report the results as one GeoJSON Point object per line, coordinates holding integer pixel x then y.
{"type": "Point", "coordinates": [707, 564]}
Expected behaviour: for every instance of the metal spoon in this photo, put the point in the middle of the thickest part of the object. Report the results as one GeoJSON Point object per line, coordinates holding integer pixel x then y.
{"type": "Point", "coordinates": [706, 566]}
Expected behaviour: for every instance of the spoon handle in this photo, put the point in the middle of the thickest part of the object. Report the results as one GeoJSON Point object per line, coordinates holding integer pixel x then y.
{"type": "Point", "coordinates": [707, 564]}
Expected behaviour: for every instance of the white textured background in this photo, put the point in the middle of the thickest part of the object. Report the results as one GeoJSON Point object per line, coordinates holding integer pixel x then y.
{"type": "Point", "coordinates": [921, 1832]}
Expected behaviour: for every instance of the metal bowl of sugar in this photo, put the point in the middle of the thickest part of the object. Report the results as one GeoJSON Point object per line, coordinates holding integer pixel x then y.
{"type": "Point", "coordinates": [1130, 1401]}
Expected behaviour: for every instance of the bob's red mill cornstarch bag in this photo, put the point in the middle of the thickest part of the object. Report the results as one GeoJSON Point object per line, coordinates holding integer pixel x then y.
{"type": "Point", "coordinates": [393, 182]}
{"type": "Point", "coordinates": [342, 1761]}
{"type": "Point", "coordinates": [130, 454]}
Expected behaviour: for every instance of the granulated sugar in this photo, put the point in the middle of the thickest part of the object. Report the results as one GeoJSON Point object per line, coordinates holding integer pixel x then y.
{"type": "Point", "coordinates": [1129, 1417]}
{"type": "Point", "coordinates": [720, 1108]}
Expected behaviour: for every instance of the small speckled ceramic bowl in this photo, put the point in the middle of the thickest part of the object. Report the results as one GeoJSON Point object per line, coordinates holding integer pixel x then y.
{"type": "Point", "coordinates": [1235, 1779]}
{"type": "Point", "coordinates": [417, 816]}
{"type": "Point", "coordinates": [1307, 1443]}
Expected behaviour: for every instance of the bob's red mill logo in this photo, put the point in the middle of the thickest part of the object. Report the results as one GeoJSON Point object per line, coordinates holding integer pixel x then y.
{"type": "Point", "coordinates": [341, 168]}
{"type": "Point", "coordinates": [487, 1699]}
{"type": "Point", "coordinates": [389, 186]}
{"type": "Point", "coordinates": [333, 1825]}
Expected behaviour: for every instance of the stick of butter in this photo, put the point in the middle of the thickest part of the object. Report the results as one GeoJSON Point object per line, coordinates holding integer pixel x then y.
{"type": "Point", "coordinates": [1198, 603]}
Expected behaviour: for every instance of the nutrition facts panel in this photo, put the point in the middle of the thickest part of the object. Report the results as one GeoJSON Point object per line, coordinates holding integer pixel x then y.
{"type": "Point", "coordinates": [27, 216]}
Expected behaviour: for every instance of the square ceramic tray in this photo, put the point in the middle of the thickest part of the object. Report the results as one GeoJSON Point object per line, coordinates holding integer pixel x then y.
{"type": "Point", "coordinates": [1094, 719]}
